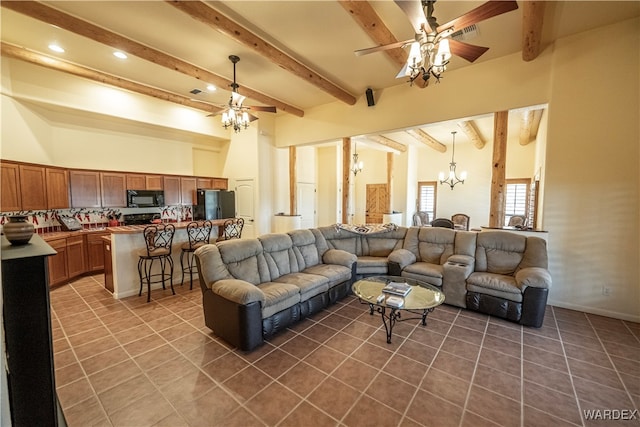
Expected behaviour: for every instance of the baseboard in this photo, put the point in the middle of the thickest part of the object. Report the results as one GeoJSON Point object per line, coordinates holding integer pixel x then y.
{"type": "Point", "coordinates": [598, 311]}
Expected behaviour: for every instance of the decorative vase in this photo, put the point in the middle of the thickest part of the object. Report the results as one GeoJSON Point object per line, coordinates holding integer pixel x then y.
{"type": "Point", "coordinates": [113, 223]}
{"type": "Point", "coordinates": [18, 231]}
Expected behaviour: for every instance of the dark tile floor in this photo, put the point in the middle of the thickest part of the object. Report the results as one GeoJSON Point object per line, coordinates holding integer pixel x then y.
{"type": "Point", "coordinates": [129, 363]}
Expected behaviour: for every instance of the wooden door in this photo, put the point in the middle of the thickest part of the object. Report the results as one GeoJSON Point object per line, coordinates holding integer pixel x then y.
{"type": "Point", "coordinates": [11, 199]}
{"type": "Point", "coordinates": [377, 201]}
{"type": "Point", "coordinates": [171, 186]}
{"type": "Point", "coordinates": [33, 188]}
{"type": "Point", "coordinates": [57, 188]}
{"type": "Point", "coordinates": [245, 197]}
{"type": "Point", "coordinates": [154, 182]}
{"type": "Point", "coordinates": [85, 189]}
{"type": "Point", "coordinates": [58, 270]}
{"type": "Point", "coordinates": [95, 251]}
{"type": "Point", "coordinates": [114, 189]}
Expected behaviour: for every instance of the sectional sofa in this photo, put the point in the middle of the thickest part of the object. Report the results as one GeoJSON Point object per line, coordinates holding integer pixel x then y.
{"type": "Point", "coordinates": [253, 288]}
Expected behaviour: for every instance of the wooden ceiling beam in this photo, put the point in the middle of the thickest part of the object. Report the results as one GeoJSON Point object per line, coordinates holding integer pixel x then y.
{"type": "Point", "coordinates": [532, 20]}
{"type": "Point", "coordinates": [207, 15]}
{"type": "Point", "coordinates": [427, 140]}
{"type": "Point", "coordinates": [470, 130]}
{"type": "Point", "coordinates": [388, 142]}
{"type": "Point", "coordinates": [78, 26]}
{"type": "Point", "coordinates": [529, 124]}
{"type": "Point", "coordinates": [369, 21]}
{"type": "Point", "coordinates": [12, 51]}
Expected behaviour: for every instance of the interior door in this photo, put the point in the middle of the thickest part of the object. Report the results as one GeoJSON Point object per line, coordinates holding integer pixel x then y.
{"type": "Point", "coordinates": [307, 204]}
{"type": "Point", "coordinates": [377, 200]}
{"type": "Point", "coordinates": [245, 204]}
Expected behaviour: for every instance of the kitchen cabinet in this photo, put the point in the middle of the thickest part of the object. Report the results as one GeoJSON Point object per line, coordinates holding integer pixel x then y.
{"type": "Point", "coordinates": [57, 188]}
{"type": "Point", "coordinates": [95, 251]}
{"type": "Point", "coordinates": [136, 182]}
{"type": "Point", "coordinates": [187, 190]}
{"type": "Point", "coordinates": [220, 183]}
{"type": "Point", "coordinates": [108, 264]}
{"type": "Point", "coordinates": [33, 188]}
{"type": "Point", "coordinates": [113, 187]}
{"type": "Point", "coordinates": [171, 186]}
{"type": "Point", "coordinates": [76, 264]}
{"type": "Point", "coordinates": [11, 199]}
{"type": "Point", "coordinates": [85, 188]}
{"type": "Point", "coordinates": [204, 183]}
{"type": "Point", "coordinates": [154, 182]}
{"type": "Point", "coordinates": [58, 269]}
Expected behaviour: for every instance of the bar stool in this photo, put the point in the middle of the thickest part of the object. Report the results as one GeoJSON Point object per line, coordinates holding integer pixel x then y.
{"type": "Point", "coordinates": [231, 229]}
{"type": "Point", "coordinates": [198, 236]}
{"type": "Point", "coordinates": [158, 240]}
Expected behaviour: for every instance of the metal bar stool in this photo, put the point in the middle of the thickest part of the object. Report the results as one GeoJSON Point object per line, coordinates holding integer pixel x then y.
{"type": "Point", "coordinates": [231, 229]}
{"type": "Point", "coordinates": [198, 236]}
{"type": "Point", "coordinates": [158, 240]}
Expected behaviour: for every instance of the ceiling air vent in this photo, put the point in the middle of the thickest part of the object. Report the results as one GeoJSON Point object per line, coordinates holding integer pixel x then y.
{"type": "Point", "coordinates": [466, 34]}
{"type": "Point", "coordinates": [195, 91]}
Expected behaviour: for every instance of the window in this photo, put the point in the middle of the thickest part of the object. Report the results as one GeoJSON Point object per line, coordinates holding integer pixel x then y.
{"type": "Point", "coordinates": [427, 197]}
{"type": "Point", "coordinates": [516, 199]}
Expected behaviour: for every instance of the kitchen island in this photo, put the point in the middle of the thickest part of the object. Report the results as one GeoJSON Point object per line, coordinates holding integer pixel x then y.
{"type": "Point", "coordinates": [127, 240]}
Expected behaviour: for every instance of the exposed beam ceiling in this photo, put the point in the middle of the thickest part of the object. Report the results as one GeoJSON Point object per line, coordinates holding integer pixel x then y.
{"type": "Point", "coordinates": [203, 13]}
{"type": "Point", "coordinates": [470, 130]}
{"type": "Point", "coordinates": [529, 125]}
{"type": "Point", "coordinates": [427, 140]}
{"type": "Point", "coordinates": [532, 20]}
{"type": "Point", "coordinates": [388, 142]}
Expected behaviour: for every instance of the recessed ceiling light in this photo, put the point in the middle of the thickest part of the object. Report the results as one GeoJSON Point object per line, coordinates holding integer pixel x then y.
{"type": "Point", "coordinates": [54, 47]}
{"type": "Point", "coordinates": [211, 88]}
{"type": "Point", "coordinates": [120, 55]}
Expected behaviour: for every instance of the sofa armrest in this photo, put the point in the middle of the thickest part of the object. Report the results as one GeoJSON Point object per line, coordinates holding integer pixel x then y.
{"type": "Point", "coordinates": [238, 291]}
{"type": "Point", "coordinates": [462, 260]}
{"type": "Point", "coordinates": [402, 257]}
{"type": "Point", "coordinates": [454, 279]}
{"type": "Point", "coordinates": [536, 277]}
{"type": "Point", "coordinates": [339, 257]}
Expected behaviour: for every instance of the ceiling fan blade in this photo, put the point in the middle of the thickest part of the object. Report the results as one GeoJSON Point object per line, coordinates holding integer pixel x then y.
{"type": "Point", "coordinates": [470, 52]}
{"type": "Point", "coordinates": [252, 117]}
{"type": "Point", "coordinates": [480, 13]}
{"type": "Point", "coordinates": [369, 50]}
{"type": "Point", "coordinates": [259, 108]}
{"type": "Point", "coordinates": [414, 11]}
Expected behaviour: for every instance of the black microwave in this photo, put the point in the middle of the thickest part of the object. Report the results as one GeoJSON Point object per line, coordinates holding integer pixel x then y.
{"type": "Point", "coordinates": [145, 198]}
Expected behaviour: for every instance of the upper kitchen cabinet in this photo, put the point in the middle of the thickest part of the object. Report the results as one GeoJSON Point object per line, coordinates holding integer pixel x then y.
{"type": "Point", "coordinates": [204, 183]}
{"type": "Point", "coordinates": [138, 181]}
{"type": "Point", "coordinates": [187, 190]}
{"type": "Point", "coordinates": [171, 186]}
{"type": "Point", "coordinates": [154, 182]}
{"type": "Point", "coordinates": [33, 187]}
{"type": "Point", "coordinates": [10, 198]}
{"type": "Point", "coordinates": [85, 189]}
{"type": "Point", "coordinates": [114, 189]}
{"type": "Point", "coordinates": [57, 188]}
{"type": "Point", "coordinates": [220, 183]}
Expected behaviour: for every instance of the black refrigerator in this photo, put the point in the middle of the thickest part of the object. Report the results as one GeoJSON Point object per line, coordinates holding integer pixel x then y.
{"type": "Point", "coordinates": [214, 204]}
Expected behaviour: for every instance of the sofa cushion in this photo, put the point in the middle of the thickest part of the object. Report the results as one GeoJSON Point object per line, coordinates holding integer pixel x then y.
{"type": "Point", "coordinates": [425, 272]}
{"type": "Point", "coordinates": [278, 254]}
{"type": "Point", "coordinates": [372, 265]}
{"type": "Point", "coordinates": [498, 285]}
{"type": "Point", "coordinates": [382, 244]}
{"type": "Point", "coordinates": [430, 244]}
{"type": "Point", "coordinates": [304, 249]}
{"type": "Point", "coordinates": [499, 252]}
{"type": "Point", "coordinates": [278, 296]}
{"type": "Point", "coordinates": [335, 274]}
{"type": "Point", "coordinates": [245, 260]}
{"type": "Point", "coordinates": [310, 285]}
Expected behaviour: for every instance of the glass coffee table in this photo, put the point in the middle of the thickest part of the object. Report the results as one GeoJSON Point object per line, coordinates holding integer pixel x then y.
{"type": "Point", "coordinates": [421, 299]}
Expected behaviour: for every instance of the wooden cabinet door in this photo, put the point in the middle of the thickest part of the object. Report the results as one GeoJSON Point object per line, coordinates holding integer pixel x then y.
{"type": "Point", "coordinates": [187, 190]}
{"type": "Point", "coordinates": [76, 264]}
{"type": "Point", "coordinates": [58, 271]}
{"type": "Point", "coordinates": [85, 189]}
{"type": "Point", "coordinates": [57, 188]}
{"type": "Point", "coordinates": [136, 182]}
{"type": "Point", "coordinates": [171, 186]}
{"type": "Point", "coordinates": [220, 183]}
{"type": "Point", "coordinates": [33, 187]}
{"type": "Point", "coordinates": [154, 182]}
{"type": "Point", "coordinates": [205, 183]}
{"type": "Point", "coordinates": [95, 251]}
{"type": "Point", "coordinates": [114, 189]}
{"type": "Point", "coordinates": [10, 197]}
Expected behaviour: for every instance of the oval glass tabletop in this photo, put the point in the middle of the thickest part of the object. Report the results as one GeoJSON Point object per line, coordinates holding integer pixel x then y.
{"type": "Point", "coordinates": [421, 296]}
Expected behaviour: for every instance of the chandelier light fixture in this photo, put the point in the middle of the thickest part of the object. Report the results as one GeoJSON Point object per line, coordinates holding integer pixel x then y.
{"type": "Point", "coordinates": [453, 179]}
{"type": "Point", "coordinates": [235, 116]}
{"type": "Point", "coordinates": [357, 165]}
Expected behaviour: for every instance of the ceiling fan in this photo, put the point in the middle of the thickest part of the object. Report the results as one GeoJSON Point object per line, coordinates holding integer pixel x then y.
{"type": "Point", "coordinates": [432, 45]}
{"type": "Point", "coordinates": [235, 114]}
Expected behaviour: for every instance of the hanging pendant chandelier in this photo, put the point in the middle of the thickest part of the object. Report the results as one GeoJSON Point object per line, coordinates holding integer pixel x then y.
{"type": "Point", "coordinates": [452, 179]}
{"type": "Point", "coordinates": [357, 165]}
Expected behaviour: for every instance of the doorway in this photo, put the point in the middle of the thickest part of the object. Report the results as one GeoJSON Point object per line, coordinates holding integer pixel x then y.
{"type": "Point", "coordinates": [377, 200]}
{"type": "Point", "coordinates": [245, 205]}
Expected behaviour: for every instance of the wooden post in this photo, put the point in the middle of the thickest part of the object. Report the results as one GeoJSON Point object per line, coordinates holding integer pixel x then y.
{"type": "Point", "coordinates": [496, 212]}
{"type": "Point", "coordinates": [389, 182]}
{"type": "Point", "coordinates": [293, 182]}
{"type": "Point", "coordinates": [346, 178]}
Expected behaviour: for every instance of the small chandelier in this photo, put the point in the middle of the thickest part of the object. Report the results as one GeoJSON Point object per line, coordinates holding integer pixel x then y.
{"type": "Point", "coordinates": [357, 165]}
{"type": "Point", "coordinates": [235, 117]}
{"type": "Point", "coordinates": [453, 179]}
{"type": "Point", "coordinates": [429, 56]}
